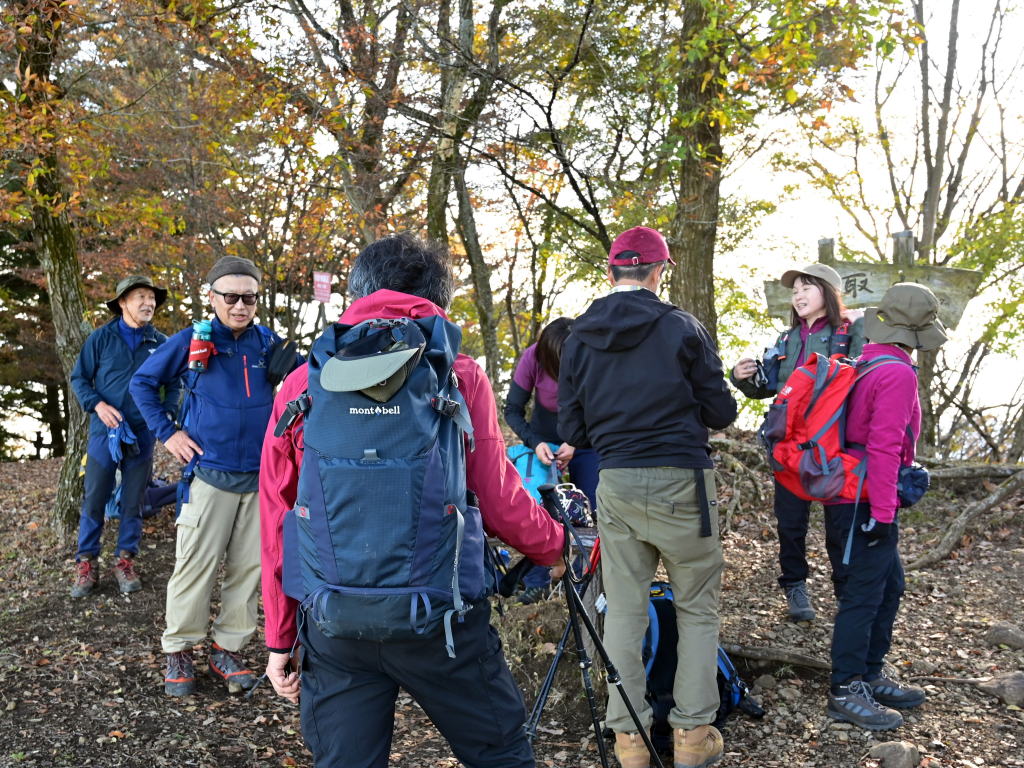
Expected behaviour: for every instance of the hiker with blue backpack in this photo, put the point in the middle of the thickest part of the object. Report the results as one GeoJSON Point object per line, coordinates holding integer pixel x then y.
{"type": "Point", "coordinates": [384, 469]}
{"type": "Point", "coordinates": [230, 366]}
{"type": "Point", "coordinates": [118, 435]}
{"type": "Point", "coordinates": [543, 454]}
{"type": "Point", "coordinates": [641, 382]}
{"type": "Point", "coordinates": [845, 433]}
{"type": "Point", "coordinates": [819, 324]}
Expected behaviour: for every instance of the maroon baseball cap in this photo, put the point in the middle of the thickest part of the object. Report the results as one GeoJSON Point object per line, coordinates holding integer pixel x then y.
{"type": "Point", "coordinates": [639, 245]}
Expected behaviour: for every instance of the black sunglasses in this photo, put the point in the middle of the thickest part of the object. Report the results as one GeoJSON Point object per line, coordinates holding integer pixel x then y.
{"type": "Point", "coordinates": [232, 298]}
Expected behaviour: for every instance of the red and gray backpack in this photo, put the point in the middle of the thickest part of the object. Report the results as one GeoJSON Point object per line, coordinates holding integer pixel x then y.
{"type": "Point", "coordinates": [804, 432]}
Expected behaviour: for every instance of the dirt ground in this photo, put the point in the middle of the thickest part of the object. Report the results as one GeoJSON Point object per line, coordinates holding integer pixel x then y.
{"type": "Point", "coordinates": [81, 683]}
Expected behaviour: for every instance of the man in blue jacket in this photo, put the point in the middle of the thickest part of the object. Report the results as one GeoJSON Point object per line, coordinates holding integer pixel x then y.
{"type": "Point", "coordinates": [219, 436]}
{"type": "Point", "coordinates": [118, 435]}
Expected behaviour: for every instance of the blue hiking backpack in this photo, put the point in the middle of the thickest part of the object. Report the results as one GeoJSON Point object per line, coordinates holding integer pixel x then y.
{"type": "Point", "coordinates": [381, 544]}
{"type": "Point", "coordinates": [659, 657]}
{"type": "Point", "coordinates": [533, 471]}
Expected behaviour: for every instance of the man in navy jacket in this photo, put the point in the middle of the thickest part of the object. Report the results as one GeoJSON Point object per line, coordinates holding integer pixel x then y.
{"type": "Point", "coordinates": [219, 436]}
{"type": "Point", "coordinates": [118, 435]}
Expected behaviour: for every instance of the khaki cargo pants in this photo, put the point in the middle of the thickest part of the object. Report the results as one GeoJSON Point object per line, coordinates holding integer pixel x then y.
{"type": "Point", "coordinates": [647, 514]}
{"type": "Point", "coordinates": [214, 524]}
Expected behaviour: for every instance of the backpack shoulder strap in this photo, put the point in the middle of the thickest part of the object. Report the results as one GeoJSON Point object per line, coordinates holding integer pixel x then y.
{"type": "Point", "coordinates": [867, 366]}
{"type": "Point", "coordinates": [296, 408]}
{"type": "Point", "coordinates": [451, 403]}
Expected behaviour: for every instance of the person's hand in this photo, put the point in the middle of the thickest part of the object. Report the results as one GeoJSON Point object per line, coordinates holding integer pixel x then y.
{"type": "Point", "coordinates": [558, 569]}
{"type": "Point", "coordinates": [182, 446]}
{"type": "Point", "coordinates": [544, 453]}
{"type": "Point", "coordinates": [564, 455]}
{"type": "Point", "coordinates": [283, 674]}
{"type": "Point", "coordinates": [109, 415]}
{"type": "Point", "coordinates": [744, 369]}
{"type": "Point", "coordinates": [853, 315]}
{"type": "Point", "coordinates": [876, 531]}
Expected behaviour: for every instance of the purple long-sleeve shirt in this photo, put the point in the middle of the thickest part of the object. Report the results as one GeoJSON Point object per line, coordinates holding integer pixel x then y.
{"type": "Point", "coordinates": [881, 407]}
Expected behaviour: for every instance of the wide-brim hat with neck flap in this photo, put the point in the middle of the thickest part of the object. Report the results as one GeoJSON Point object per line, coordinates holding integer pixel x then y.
{"type": "Point", "coordinates": [129, 284]}
{"type": "Point", "coordinates": [908, 314]}
{"type": "Point", "coordinates": [378, 363]}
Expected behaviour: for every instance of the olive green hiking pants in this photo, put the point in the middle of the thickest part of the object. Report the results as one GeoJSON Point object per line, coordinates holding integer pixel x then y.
{"type": "Point", "coordinates": [646, 515]}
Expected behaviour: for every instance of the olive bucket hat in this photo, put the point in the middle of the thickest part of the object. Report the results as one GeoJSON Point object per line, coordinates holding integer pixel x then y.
{"type": "Point", "coordinates": [135, 281]}
{"type": "Point", "coordinates": [908, 314]}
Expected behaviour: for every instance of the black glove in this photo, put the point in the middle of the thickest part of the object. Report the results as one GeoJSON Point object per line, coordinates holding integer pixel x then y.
{"type": "Point", "coordinates": [875, 531]}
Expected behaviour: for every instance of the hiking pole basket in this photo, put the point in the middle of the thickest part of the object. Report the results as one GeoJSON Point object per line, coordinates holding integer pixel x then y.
{"type": "Point", "coordinates": [552, 497]}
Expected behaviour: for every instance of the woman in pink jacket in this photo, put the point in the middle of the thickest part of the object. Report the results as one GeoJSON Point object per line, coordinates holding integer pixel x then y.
{"type": "Point", "coordinates": [883, 423]}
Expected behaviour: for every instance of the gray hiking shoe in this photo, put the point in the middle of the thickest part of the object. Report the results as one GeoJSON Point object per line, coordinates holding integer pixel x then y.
{"type": "Point", "coordinates": [229, 667]}
{"type": "Point", "coordinates": [124, 572]}
{"type": "Point", "coordinates": [86, 577]}
{"type": "Point", "coordinates": [180, 679]}
{"type": "Point", "coordinates": [890, 693]}
{"type": "Point", "coordinates": [854, 704]}
{"type": "Point", "coordinates": [800, 608]}
{"type": "Point", "coordinates": [531, 595]}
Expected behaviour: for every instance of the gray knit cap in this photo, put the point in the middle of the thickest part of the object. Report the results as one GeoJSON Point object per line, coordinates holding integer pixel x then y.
{"type": "Point", "coordinates": [233, 265]}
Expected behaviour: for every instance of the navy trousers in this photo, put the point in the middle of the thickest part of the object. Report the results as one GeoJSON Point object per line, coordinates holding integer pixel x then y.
{"type": "Point", "coordinates": [793, 516]}
{"type": "Point", "coordinates": [99, 484]}
{"type": "Point", "coordinates": [869, 590]}
{"type": "Point", "coordinates": [349, 689]}
{"type": "Point", "coordinates": [584, 473]}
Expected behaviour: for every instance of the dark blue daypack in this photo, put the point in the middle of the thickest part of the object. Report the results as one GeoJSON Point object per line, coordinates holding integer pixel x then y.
{"type": "Point", "coordinates": [659, 657]}
{"type": "Point", "coordinates": [381, 544]}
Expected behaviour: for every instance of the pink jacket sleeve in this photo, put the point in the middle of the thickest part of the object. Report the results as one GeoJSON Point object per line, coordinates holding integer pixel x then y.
{"type": "Point", "coordinates": [508, 510]}
{"type": "Point", "coordinates": [279, 487]}
{"type": "Point", "coordinates": [891, 412]}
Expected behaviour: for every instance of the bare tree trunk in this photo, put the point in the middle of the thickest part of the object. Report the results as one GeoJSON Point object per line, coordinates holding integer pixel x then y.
{"type": "Point", "coordinates": [925, 376]}
{"type": "Point", "coordinates": [1016, 450]}
{"type": "Point", "coordinates": [483, 297]}
{"type": "Point", "coordinates": [695, 224]}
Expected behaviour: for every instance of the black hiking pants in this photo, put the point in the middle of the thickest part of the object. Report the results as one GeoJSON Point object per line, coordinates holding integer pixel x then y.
{"type": "Point", "coordinates": [349, 690]}
{"type": "Point", "coordinates": [869, 591]}
{"type": "Point", "coordinates": [793, 516]}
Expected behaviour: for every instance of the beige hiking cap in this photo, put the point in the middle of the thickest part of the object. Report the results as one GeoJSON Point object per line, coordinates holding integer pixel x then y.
{"type": "Point", "coordinates": [908, 314]}
{"type": "Point", "coordinates": [823, 271]}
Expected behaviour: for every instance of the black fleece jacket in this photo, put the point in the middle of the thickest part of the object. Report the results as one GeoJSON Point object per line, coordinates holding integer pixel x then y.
{"type": "Point", "coordinates": [641, 381]}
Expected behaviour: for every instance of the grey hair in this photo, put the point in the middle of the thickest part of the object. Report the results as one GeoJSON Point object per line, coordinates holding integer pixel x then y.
{"type": "Point", "coordinates": [638, 272]}
{"type": "Point", "coordinates": [407, 264]}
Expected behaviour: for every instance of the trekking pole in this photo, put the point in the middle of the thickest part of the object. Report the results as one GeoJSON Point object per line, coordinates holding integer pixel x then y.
{"type": "Point", "coordinates": [577, 612]}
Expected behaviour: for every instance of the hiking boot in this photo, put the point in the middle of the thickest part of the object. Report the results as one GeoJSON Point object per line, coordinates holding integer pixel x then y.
{"type": "Point", "coordinates": [86, 578]}
{"type": "Point", "coordinates": [532, 595]}
{"type": "Point", "coordinates": [180, 679]}
{"type": "Point", "coordinates": [799, 604]}
{"type": "Point", "coordinates": [229, 667]}
{"type": "Point", "coordinates": [698, 747]}
{"type": "Point", "coordinates": [855, 704]}
{"type": "Point", "coordinates": [630, 750]}
{"type": "Point", "coordinates": [124, 572]}
{"type": "Point", "coordinates": [890, 693]}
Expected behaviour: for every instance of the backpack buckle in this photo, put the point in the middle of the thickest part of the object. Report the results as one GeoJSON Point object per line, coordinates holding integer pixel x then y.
{"type": "Point", "coordinates": [445, 406]}
{"type": "Point", "coordinates": [293, 411]}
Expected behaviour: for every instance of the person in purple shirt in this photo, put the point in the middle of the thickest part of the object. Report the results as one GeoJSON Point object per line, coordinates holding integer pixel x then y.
{"type": "Point", "coordinates": [883, 423]}
{"type": "Point", "coordinates": [536, 376]}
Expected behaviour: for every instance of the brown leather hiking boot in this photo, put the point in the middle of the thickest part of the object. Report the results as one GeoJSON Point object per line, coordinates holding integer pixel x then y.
{"type": "Point", "coordinates": [86, 578]}
{"type": "Point", "coordinates": [697, 748]}
{"type": "Point", "coordinates": [631, 752]}
{"type": "Point", "coordinates": [124, 572]}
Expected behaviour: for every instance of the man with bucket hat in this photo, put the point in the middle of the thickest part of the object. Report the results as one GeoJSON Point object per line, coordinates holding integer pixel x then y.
{"type": "Point", "coordinates": [218, 437]}
{"type": "Point", "coordinates": [641, 382]}
{"type": "Point", "coordinates": [883, 422]}
{"type": "Point", "coordinates": [118, 435]}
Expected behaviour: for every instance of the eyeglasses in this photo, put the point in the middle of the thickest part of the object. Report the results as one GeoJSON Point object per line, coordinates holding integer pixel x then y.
{"type": "Point", "coordinates": [232, 298]}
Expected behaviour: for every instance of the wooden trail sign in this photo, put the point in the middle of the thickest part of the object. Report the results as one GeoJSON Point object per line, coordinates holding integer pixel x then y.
{"type": "Point", "coordinates": [864, 284]}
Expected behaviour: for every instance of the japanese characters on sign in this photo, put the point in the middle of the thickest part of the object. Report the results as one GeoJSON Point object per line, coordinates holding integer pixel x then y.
{"type": "Point", "coordinates": [322, 286]}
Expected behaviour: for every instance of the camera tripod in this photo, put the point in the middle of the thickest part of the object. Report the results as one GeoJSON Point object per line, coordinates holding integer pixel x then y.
{"type": "Point", "coordinates": [577, 614]}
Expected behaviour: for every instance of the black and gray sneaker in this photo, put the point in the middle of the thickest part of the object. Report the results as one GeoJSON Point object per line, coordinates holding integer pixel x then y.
{"type": "Point", "coordinates": [800, 608]}
{"type": "Point", "coordinates": [180, 679]}
{"type": "Point", "coordinates": [854, 704]}
{"type": "Point", "coordinates": [891, 693]}
{"type": "Point", "coordinates": [230, 668]}
{"type": "Point", "coordinates": [532, 595]}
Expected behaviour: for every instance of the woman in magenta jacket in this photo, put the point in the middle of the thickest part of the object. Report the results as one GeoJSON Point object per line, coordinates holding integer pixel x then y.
{"type": "Point", "coordinates": [883, 423]}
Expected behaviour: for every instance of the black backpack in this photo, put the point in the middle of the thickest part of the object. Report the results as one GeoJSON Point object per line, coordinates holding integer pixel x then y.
{"type": "Point", "coordinates": [659, 657]}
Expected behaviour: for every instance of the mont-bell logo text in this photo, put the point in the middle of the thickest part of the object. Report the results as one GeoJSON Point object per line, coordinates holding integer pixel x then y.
{"type": "Point", "coordinates": [378, 411]}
